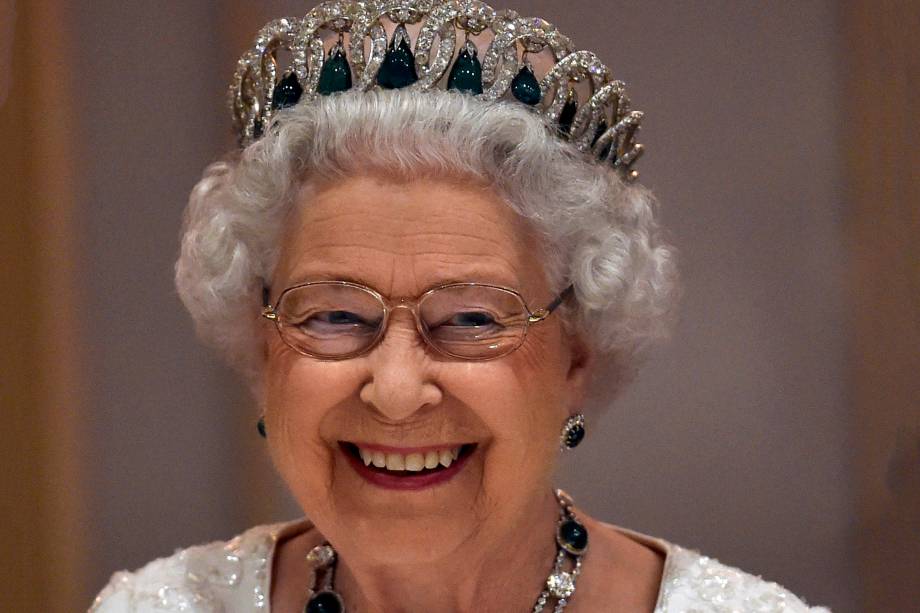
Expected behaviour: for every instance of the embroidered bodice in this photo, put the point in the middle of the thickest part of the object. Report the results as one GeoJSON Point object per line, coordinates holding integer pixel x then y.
{"type": "Point", "coordinates": [234, 577]}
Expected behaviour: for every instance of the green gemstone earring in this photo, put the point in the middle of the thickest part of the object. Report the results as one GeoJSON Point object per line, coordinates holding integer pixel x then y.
{"type": "Point", "coordinates": [573, 431]}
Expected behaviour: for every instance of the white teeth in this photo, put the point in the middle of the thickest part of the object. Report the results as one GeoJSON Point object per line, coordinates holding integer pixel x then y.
{"type": "Point", "coordinates": [395, 461]}
{"type": "Point", "coordinates": [413, 462]}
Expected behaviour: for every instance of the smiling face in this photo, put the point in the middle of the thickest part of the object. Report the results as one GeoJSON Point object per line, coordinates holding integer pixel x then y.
{"type": "Point", "coordinates": [403, 398]}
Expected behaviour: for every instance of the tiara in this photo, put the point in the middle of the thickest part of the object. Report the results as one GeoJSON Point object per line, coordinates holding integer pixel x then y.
{"type": "Point", "coordinates": [602, 124]}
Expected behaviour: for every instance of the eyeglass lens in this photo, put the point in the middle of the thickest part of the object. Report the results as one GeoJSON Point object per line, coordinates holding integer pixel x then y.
{"type": "Point", "coordinates": [335, 320]}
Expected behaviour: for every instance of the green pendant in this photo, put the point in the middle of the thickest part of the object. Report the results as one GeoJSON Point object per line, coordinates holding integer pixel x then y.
{"type": "Point", "coordinates": [466, 73]}
{"type": "Point", "coordinates": [325, 601]}
{"type": "Point", "coordinates": [336, 73]}
{"type": "Point", "coordinates": [567, 115]}
{"type": "Point", "coordinates": [572, 536]}
{"type": "Point", "coordinates": [525, 86]}
{"type": "Point", "coordinates": [287, 92]}
{"type": "Point", "coordinates": [398, 67]}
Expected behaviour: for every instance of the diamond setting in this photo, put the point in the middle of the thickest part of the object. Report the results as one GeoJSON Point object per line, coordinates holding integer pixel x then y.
{"type": "Point", "coordinates": [321, 556]}
{"type": "Point", "coordinates": [601, 123]}
{"type": "Point", "coordinates": [561, 584]}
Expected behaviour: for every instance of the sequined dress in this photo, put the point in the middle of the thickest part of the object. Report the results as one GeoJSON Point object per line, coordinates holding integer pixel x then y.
{"type": "Point", "coordinates": [234, 576]}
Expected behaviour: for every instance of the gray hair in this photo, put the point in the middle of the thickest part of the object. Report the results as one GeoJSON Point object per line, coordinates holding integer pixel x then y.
{"type": "Point", "coordinates": [601, 234]}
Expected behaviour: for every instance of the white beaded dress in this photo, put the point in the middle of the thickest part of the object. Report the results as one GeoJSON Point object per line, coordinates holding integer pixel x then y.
{"type": "Point", "coordinates": [234, 577]}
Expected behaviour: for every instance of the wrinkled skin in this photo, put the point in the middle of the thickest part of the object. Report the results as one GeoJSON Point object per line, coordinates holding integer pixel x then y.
{"type": "Point", "coordinates": [402, 550]}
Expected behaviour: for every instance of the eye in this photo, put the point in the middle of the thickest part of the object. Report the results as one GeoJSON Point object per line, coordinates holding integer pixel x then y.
{"type": "Point", "coordinates": [470, 318]}
{"type": "Point", "coordinates": [334, 322]}
{"type": "Point", "coordinates": [338, 317]}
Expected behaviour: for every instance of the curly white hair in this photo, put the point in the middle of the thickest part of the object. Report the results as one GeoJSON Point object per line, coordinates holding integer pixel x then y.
{"type": "Point", "coordinates": [601, 234]}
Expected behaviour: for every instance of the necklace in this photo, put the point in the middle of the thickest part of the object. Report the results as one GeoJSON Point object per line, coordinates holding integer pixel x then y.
{"type": "Point", "coordinates": [571, 544]}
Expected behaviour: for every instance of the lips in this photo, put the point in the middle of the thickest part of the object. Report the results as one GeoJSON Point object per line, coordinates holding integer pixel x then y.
{"type": "Point", "coordinates": [402, 468]}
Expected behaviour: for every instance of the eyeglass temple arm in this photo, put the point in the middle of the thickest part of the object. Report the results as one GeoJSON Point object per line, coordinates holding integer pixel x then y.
{"type": "Point", "coordinates": [543, 313]}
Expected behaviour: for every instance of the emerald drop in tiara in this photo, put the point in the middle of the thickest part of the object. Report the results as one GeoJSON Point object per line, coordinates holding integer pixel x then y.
{"type": "Point", "coordinates": [602, 124]}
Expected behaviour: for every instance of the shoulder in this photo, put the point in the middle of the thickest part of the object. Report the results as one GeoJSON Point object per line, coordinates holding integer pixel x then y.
{"type": "Point", "coordinates": [220, 576]}
{"type": "Point", "coordinates": [694, 582]}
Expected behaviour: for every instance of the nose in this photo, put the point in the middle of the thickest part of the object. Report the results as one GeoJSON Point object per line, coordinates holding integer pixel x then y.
{"type": "Point", "coordinates": [401, 381]}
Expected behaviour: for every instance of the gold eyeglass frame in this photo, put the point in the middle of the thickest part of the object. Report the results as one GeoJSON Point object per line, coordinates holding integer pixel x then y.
{"type": "Point", "coordinates": [270, 312]}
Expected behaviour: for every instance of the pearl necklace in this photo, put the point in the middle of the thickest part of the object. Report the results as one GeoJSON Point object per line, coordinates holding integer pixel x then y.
{"type": "Point", "coordinates": [571, 543]}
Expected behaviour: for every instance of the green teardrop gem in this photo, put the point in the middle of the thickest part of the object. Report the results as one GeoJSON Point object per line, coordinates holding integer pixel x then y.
{"type": "Point", "coordinates": [567, 115]}
{"type": "Point", "coordinates": [398, 67]}
{"type": "Point", "coordinates": [525, 86]}
{"type": "Point", "coordinates": [287, 92]}
{"type": "Point", "coordinates": [466, 73]}
{"type": "Point", "coordinates": [336, 73]}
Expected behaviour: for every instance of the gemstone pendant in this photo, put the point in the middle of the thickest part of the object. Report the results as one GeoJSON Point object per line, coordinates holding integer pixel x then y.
{"type": "Point", "coordinates": [466, 73]}
{"type": "Point", "coordinates": [287, 92]}
{"type": "Point", "coordinates": [336, 73]}
{"type": "Point", "coordinates": [325, 602]}
{"type": "Point", "coordinates": [572, 536]}
{"type": "Point", "coordinates": [525, 86]}
{"type": "Point", "coordinates": [398, 67]}
{"type": "Point", "coordinates": [567, 115]}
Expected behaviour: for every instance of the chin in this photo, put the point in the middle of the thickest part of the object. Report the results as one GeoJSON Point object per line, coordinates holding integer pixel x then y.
{"type": "Point", "coordinates": [415, 539]}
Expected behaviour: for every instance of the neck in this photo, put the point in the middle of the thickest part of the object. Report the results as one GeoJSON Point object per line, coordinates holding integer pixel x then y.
{"type": "Point", "coordinates": [507, 572]}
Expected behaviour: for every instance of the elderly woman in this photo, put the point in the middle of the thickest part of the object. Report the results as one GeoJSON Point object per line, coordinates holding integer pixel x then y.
{"type": "Point", "coordinates": [423, 262]}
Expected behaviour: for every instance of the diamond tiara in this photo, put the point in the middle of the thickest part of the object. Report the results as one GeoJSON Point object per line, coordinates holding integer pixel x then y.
{"type": "Point", "coordinates": [602, 124]}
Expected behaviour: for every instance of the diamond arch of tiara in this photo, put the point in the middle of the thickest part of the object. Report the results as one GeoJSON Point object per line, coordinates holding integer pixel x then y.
{"type": "Point", "coordinates": [603, 124]}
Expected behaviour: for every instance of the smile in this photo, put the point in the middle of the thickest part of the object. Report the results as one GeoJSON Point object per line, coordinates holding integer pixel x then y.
{"type": "Point", "coordinates": [406, 469]}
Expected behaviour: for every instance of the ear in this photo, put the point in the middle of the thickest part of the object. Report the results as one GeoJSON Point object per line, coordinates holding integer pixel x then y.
{"type": "Point", "coordinates": [268, 329]}
{"type": "Point", "coordinates": [265, 337]}
{"type": "Point", "coordinates": [580, 370]}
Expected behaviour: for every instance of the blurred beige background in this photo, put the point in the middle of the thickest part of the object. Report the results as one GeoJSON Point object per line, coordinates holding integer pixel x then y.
{"type": "Point", "coordinates": [778, 431]}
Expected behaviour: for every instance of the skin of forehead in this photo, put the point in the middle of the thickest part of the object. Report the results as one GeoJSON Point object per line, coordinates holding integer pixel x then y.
{"type": "Point", "coordinates": [402, 239]}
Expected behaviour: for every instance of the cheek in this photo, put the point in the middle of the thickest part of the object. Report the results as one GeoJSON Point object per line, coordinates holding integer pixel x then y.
{"type": "Point", "coordinates": [517, 401]}
{"type": "Point", "coordinates": [540, 365]}
{"type": "Point", "coordinates": [295, 406]}
{"type": "Point", "coordinates": [520, 399]}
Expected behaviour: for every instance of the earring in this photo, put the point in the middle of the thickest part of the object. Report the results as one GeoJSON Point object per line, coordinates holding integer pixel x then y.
{"type": "Point", "coordinates": [260, 426]}
{"type": "Point", "coordinates": [573, 431]}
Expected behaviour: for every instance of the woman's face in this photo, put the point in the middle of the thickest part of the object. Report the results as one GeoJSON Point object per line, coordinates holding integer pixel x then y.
{"type": "Point", "coordinates": [401, 239]}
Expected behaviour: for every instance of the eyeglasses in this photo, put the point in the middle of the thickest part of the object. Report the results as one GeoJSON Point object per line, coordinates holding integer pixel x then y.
{"type": "Point", "coordinates": [338, 320]}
